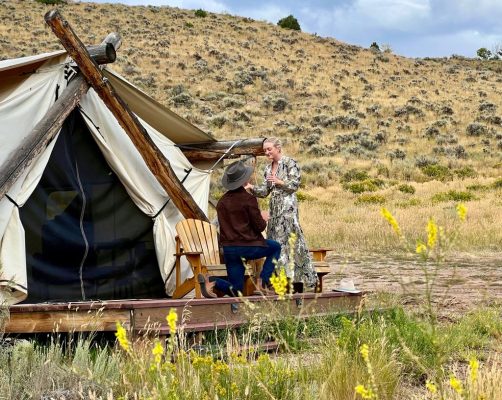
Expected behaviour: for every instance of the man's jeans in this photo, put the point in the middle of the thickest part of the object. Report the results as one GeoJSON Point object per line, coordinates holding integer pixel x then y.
{"type": "Point", "coordinates": [236, 269]}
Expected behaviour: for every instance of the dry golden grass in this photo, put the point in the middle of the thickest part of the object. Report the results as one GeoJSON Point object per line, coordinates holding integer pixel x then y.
{"type": "Point", "coordinates": [234, 69]}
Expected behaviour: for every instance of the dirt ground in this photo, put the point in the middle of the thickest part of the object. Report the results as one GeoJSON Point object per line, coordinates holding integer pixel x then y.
{"type": "Point", "coordinates": [463, 282]}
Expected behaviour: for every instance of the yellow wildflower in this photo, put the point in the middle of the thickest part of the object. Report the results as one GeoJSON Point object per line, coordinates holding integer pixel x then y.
{"type": "Point", "coordinates": [220, 367]}
{"type": "Point", "coordinates": [363, 392]}
{"type": "Point", "coordinates": [365, 351]}
{"type": "Point", "coordinates": [432, 233]}
{"type": "Point", "coordinates": [121, 336]}
{"type": "Point", "coordinates": [431, 387]}
{"type": "Point", "coordinates": [158, 351]}
{"type": "Point", "coordinates": [473, 369]}
{"type": "Point", "coordinates": [391, 220]}
{"type": "Point", "coordinates": [280, 283]}
{"type": "Point", "coordinates": [172, 319]}
{"type": "Point", "coordinates": [456, 384]}
{"type": "Point", "coordinates": [421, 247]}
{"type": "Point", "coordinates": [461, 211]}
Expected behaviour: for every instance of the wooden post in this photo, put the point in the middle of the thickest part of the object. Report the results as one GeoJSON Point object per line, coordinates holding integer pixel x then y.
{"type": "Point", "coordinates": [214, 150]}
{"type": "Point", "coordinates": [48, 127]}
{"type": "Point", "coordinates": [42, 134]}
{"type": "Point", "coordinates": [150, 153]}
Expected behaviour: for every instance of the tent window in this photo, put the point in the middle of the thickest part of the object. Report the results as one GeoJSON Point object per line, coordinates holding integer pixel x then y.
{"type": "Point", "coordinates": [85, 238]}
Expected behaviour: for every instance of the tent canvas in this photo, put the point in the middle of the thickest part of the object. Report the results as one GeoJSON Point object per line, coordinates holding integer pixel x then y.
{"type": "Point", "coordinates": [72, 180]}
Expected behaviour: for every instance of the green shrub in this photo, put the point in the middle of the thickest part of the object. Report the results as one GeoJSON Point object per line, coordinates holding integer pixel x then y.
{"type": "Point", "coordinates": [370, 199]}
{"type": "Point", "coordinates": [497, 184]}
{"type": "Point", "coordinates": [289, 22]}
{"type": "Point", "coordinates": [188, 25]}
{"type": "Point", "coordinates": [439, 172]}
{"type": "Point", "coordinates": [453, 195]}
{"type": "Point", "coordinates": [405, 188]}
{"type": "Point", "coordinates": [477, 187]}
{"type": "Point", "coordinates": [200, 13]}
{"type": "Point", "coordinates": [466, 172]}
{"type": "Point", "coordinates": [409, 203]}
{"type": "Point", "coordinates": [360, 187]}
{"type": "Point", "coordinates": [302, 196]}
{"type": "Point", "coordinates": [354, 175]}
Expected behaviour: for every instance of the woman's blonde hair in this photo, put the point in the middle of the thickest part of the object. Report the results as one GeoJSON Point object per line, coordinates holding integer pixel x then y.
{"type": "Point", "coordinates": [275, 142]}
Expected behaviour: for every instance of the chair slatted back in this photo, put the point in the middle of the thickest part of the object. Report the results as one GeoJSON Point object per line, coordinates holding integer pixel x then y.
{"type": "Point", "coordinates": [199, 236]}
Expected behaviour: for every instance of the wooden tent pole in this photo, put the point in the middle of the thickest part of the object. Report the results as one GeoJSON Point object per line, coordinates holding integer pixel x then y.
{"type": "Point", "coordinates": [48, 127]}
{"type": "Point", "coordinates": [153, 157]}
{"type": "Point", "coordinates": [214, 150]}
{"type": "Point", "coordinates": [41, 134]}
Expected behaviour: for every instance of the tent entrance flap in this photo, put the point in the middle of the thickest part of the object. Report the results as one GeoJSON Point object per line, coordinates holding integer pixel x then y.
{"type": "Point", "coordinates": [85, 238]}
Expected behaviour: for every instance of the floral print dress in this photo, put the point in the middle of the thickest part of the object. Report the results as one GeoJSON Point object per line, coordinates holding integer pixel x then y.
{"type": "Point", "coordinates": [284, 220]}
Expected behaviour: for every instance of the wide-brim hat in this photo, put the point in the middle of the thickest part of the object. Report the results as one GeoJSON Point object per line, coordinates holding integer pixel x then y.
{"type": "Point", "coordinates": [347, 286]}
{"type": "Point", "coordinates": [236, 175]}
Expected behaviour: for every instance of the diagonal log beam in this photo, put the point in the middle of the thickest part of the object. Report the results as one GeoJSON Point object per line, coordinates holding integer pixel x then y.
{"type": "Point", "coordinates": [49, 126]}
{"type": "Point", "coordinates": [154, 159]}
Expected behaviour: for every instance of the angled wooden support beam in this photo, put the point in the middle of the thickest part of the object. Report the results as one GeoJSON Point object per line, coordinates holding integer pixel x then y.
{"type": "Point", "coordinates": [51, 123]}
{"type": "Point", "coordinates": [229, 148]}
{"type": "Point", "coordinates": [153, 157]}
{"type": "Point", "coordinates": [42, 134]}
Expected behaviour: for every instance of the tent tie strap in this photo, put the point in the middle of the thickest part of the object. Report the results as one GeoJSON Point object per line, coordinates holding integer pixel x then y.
{"type": "Point", "coordinates": [187, 172]}
{"type": "Point", "coordinates": [12, 200]}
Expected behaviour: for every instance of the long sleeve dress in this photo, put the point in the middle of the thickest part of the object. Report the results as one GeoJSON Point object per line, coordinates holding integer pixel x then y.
{"type": "Point", "coordinates": [284, 220]}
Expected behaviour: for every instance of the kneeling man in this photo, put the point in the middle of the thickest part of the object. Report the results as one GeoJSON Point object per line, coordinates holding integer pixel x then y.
{"type": "Point", "coordinates": [241, 223]}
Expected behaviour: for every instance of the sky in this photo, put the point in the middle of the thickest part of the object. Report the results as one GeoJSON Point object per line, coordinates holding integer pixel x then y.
{"type": "Point", "coordinates": [412, 28]}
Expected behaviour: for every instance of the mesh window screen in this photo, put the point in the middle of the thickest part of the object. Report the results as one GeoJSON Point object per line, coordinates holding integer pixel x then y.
{"type": "Point", "coordinates": [85, 238]}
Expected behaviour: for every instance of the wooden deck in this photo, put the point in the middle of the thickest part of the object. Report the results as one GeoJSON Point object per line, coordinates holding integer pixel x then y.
{"type": "Point", "coordinates": [194, 315]}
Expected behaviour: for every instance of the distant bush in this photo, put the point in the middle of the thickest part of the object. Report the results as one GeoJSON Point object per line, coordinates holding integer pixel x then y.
{"type": "Point", "coordinates": [439, 172]}
{"type": "Point", "coordinates": [412, 202]}
{"type": "Point", "coordinates": [477, 187]}
{"type": "Point", "coordinates": [396, 154]}
{"type": "Point", "coordinates": [302, 196]}
{"type": "Point", "coordinates": [466, 172]}
{"type": "Point", "coordinates": [453, 195]}
{"type": "Point", "coordinates": [289, 22]}
{"type": "Point", "coordinates": [375, 47]}
{"type": "Point", "coordinates": [405, 188]}
{"type": "Point", "coordinates": [370, 199]}
{"type": "Point", "coordinates": [200, 13]}
{"type": "Point", "coordinates": [354, 175]}
{"type": "Point", "coordinates": [476, 129]}
{"type": "Point", "coordinates": [497, 184]}
{"type": "Point", "coordinates": [423, 161]}
{"type": "Point", "coordinates": [368, 185]}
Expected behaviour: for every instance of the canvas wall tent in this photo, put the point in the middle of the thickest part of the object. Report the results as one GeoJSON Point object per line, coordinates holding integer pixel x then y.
{"type": "Point", "coordinates": [68, 227]}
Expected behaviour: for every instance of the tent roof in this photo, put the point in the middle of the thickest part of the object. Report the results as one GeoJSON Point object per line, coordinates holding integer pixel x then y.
{"type": "Point", "coordinates": [171, 125]}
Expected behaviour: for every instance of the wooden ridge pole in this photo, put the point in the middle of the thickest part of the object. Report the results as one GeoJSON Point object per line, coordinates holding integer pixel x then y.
{"type": "Point", "coordinates": [49, 126]}
{"type": "Point", "coordinates": [153, 157]}
{"type": "Point", "coordinates": [214, 150]}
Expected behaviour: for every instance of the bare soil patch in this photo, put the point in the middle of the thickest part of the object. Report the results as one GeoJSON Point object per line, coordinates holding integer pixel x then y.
{"type": "Point", "coordinates": [463, 281]}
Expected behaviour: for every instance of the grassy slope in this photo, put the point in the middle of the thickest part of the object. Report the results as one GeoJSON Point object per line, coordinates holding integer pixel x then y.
{"type": "Point", "coordinates": [338, 106]}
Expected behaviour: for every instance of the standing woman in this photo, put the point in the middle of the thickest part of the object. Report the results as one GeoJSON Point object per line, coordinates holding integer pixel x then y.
{"type": "Point", "coordinates": [281, 181]}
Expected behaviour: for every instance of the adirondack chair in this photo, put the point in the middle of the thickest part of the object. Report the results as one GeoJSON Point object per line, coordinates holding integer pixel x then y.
{"type": "Point", "coordinates": [198, 241]}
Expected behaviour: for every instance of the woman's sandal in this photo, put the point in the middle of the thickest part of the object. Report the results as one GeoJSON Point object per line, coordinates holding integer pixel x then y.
{"type": "Point", "coordinates": [206, 287]}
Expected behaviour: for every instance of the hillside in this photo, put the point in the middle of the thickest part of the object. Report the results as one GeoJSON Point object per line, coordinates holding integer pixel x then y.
{"type": "Point", "coordinates": [369, 128]}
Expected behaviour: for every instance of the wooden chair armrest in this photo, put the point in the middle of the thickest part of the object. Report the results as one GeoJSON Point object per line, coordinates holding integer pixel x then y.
{"type": "Point", "coordinates": [319, 254]}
